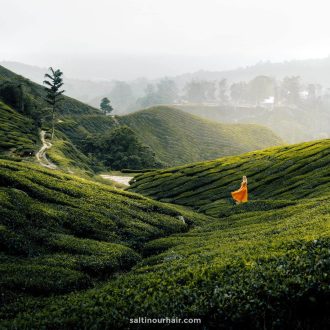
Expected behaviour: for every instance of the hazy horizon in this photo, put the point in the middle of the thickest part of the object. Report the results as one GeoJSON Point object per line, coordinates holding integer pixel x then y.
{"type": "Point", "coordinates": [129, 39]}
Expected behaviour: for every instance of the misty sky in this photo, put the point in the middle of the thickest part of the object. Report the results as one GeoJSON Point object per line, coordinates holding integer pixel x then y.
{"type": "Point", "coordinates": [124, 39]}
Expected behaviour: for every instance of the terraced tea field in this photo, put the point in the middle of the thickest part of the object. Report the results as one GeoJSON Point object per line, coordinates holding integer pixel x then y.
{"type": "Point", "coordinates": [180, 138]}
{"type": "Point", "coordinates": [276, 175]}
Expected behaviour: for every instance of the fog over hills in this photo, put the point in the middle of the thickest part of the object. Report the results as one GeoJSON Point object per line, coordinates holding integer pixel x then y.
{"type": "Point", "coordinates": [89, 86]}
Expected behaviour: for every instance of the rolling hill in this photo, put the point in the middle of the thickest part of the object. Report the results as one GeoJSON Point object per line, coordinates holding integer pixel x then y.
{"type": "Point", "coordinates": [37, 94]}
{"type": "Point", "coordinates": [16, 131]}
{"type": "Point", "coordinates": [173, 136]}
{"type": "Point", "coordinates": [75, 122]}
{"type": "Point", "coordinates": [177, 137]}
{"type": "Point", "coordinates": [60, 233]}
{"type": "Point", "coordinates": [108, 256]}
{"type": "Point", "coordinates": [281, 173]}
{"type": "Point", "coordinates": [23, 113]}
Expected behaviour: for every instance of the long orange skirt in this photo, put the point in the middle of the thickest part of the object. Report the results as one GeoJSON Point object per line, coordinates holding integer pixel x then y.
{"type": "Point", "coordinates": [241, 195]}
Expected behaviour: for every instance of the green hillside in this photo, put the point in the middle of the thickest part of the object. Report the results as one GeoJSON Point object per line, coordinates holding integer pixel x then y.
{"type": "Point", "coordinates": [23, 113]}
{"type": "Point", "coordinates": [179, 138]}
{"type": "Point", "coordinates": [107, 256]}
{"type": "Point", "coordinates": [80, 131]}
{"type": "Point", "coordinates": [37, 94]}
{"type": "Point", "coordinates": [17, 132]}
{"type": "Point", "coordinates": [77, 254]}
{"type": "Point", "coordinates": [279, 173]}
{"type": "Point", "coordinates": [60, 233]}
{"type": "Point", "coordinates": [165, 136]}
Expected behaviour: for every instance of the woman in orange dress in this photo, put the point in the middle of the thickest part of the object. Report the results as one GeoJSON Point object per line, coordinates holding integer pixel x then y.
{"type": "Point", "coordinates": [241, 195]}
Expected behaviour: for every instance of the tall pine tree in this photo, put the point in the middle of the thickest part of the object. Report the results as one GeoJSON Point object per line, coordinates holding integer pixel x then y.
{"type": "Point", "coordinates": [54, 82]}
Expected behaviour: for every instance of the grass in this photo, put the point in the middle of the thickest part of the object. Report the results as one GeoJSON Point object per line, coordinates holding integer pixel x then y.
{"type": "Point", "coordinates": [179, 138]}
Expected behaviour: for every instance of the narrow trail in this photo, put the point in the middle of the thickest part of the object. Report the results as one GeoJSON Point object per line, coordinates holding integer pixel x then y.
{"type": "Point", "coordinates": [115, 120]}
{"type": "Point", "coordinates": [41, 154]}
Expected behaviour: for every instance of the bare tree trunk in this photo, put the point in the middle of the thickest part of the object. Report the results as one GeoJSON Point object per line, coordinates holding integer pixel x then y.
{"type": "Point", "coordinates": [53, 122]}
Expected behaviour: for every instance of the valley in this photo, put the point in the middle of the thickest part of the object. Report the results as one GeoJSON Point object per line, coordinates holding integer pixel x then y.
{"type": "Point", "coordinates": [81, 249]}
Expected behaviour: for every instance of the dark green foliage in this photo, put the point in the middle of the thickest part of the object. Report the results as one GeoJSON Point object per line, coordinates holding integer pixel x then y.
{"type": "Point", "coordinates": [17, 132]}
{"type": "Point", "coordinates": [13, 94]}
{"type": "Point", "coordinates": [65, 204]}
{"type": "Point", "coordinates": [53, 82]}
{"type": "Point", "coordinates": [71, 231]}
{"type": "Point", "coordinates": [105, 106]}
{"type": "Point", "coordinates": [10, 93]}
{"type": "Point", "coordinates": [28, 112]}
{"type": "Point", "coordinates": [264, 264]}
{"type": "Point", "coordinates": [41, 279]}
{"type": "Point", "coordinates": [120, 149]}
{"type": "Point", "coordinates": [266, 270]}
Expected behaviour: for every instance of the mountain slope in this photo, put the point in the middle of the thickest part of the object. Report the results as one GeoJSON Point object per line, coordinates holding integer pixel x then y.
{"type": "Point", "coordinates": [37, 94]}
{"type": "Point", "coordinates": [174, 136]}
{"type": "Point", "coordinates": [263, 269]}
{"type": "Point", "coordinates": [75, 123]}
{"type": "Point", "coordinates": [16, 131]}
{"type": "Point", "coordinates": [279, 173]}
{"type": "Point", "coordinates": [60, 233]}
{"type": "Point", "coordinates": [179, 138]}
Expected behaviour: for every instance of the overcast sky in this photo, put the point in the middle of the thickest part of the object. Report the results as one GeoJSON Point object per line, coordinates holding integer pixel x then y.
{"type": "Point", "coordinates": [132, 38]}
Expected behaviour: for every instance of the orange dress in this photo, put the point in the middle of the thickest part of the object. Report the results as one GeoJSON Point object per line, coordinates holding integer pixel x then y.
{"type": "Point", "coordinates": [241, 195]}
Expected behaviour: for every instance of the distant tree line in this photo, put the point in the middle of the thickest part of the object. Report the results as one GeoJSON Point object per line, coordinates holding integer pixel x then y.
{"type": "Point", "coordinates": [289, 91]}
{"type": "Point", "coordinates": [255, 92]}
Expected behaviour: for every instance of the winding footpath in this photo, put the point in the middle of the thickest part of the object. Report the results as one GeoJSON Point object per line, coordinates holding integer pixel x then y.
{"type": "Point", "coordinates": [41, 154]}
{"type": "Point", "coordinates": [45, 162]}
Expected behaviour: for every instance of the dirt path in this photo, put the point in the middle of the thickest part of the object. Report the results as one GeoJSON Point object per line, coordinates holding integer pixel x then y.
{"type": "Point", "coordinates": [115, 120]}
{"type": "Point", "coordinates": [118, 179]}
{"type": "Point", "coordinates": [41, 154]}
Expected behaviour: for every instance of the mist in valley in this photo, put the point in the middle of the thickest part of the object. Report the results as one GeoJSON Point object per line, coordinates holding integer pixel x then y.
{"type": "Point", "coordinates": [237, 62]}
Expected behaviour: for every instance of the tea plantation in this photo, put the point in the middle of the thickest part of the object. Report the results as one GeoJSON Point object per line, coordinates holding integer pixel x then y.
{"type": "Point", "coordinates": [173, 136]}
{"type": "Point", "coordinates": [81, 255]}
{"type": "Point", "coordinates": [16, 131]}
{"type": "Point", "coordinates": [60, 233]}
{"type": "Point", "coordinates": [180, 138]}
{"type": "Point", "coordinates": [276, 175]}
